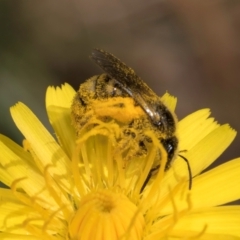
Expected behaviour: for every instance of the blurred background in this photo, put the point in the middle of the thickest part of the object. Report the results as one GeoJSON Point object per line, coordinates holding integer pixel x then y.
{"type": "Point", "coordinates": [189, 48]}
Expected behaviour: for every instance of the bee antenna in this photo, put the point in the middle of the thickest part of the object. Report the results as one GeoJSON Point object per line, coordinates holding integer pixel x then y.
{"type": "Point", "coordinates": [189, 171]}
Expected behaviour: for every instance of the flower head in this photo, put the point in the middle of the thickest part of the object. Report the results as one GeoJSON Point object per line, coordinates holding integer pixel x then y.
{"type": "Point", "coordinates": [89, 185]}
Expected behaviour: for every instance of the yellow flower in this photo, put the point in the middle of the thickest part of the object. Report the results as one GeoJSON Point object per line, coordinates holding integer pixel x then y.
{"type": "Point", "coordinates": [63, 187]}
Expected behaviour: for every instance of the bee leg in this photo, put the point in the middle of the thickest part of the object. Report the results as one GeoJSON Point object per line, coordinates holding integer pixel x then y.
{"type": "Point", "coordinates": [150, 174]}
{"type": "Point", "coordinates": [128, 144]}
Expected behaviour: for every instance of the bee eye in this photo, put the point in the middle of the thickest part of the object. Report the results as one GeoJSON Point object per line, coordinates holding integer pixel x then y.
{"type": "Point", "coordinates": [169, 148]}
{"type": "Point", "coordinates": [170, 145]}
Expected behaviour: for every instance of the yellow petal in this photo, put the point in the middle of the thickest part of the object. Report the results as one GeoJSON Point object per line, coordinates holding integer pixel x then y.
{"type": "Point", "coordinates": [17, 163]}
{"type": "Point", "coordinates": [205, 236]}
{"type": "Point", "coordinates": [4, 176]}
{"type": "Point", "coordinates": [215, 187]}
{"type": "Point", "coordinates": [209, 148]}
{"type": "Point", "coordinates": [9, 236]}
{"type": "Point", "coordinates": [200, 156]}
{"type": "Point", "coordinates": [61, 97]}
{"type": "Point", "coordinates": [13, 213]}
{"type": "Point", "coordinates": [170, 101]}
{"type": "Point", "coordinates": [218, 220]}
{"type": "Point", "coordinates": [221, 183]}
{"type": "Point", "coordinates": [48, 152]}
{"type": "Point", "coordinates": [194, 128]}
{"type": "Point", "coordinates": [17, 217]}
{"type": "Point", "coordinates": [58, 103]}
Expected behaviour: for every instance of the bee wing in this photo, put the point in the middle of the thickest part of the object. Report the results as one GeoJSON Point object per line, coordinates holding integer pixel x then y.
{"type": "Point", "coordinates": [129, 81]}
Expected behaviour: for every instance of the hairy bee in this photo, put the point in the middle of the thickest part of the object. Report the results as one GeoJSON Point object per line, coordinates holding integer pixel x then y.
{"type": "Point", "coordinates": [121, 81]}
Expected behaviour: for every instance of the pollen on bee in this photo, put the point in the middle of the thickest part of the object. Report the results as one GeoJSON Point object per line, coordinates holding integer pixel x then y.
{"type": "Point", "coordinates": [119, 108]}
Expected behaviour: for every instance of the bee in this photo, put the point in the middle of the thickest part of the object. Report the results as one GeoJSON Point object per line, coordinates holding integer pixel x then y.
{"type": "Point", "coordinates": [119, 80]}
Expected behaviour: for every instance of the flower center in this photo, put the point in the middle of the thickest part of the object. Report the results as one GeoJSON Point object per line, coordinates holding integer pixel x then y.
{"type": "Point", "coordinates": [106, 215]}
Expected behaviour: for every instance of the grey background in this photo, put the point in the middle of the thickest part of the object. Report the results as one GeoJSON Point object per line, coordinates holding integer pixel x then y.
{"type": "Point", "coordinates": [188, 48]}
